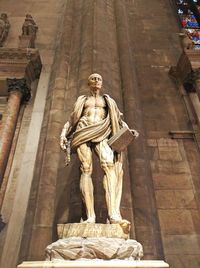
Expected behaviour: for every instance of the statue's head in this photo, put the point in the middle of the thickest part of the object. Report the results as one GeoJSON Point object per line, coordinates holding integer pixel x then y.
{"type": "Point", "coordinates": [95, 81]}
{"type": "Point", "coordinates": [4, 16]}
{"type": "Point", "coordinates": [29, 16]}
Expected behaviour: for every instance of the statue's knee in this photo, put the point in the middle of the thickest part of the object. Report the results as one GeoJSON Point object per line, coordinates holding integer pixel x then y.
{"type": "Point", "coordinates": [86, 168]}
{"type": "Point", "coordinates": [107, 165]}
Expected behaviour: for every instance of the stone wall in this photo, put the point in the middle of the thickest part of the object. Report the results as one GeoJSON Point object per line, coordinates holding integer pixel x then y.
{"type": "Point", "coordinates": [132, 44]}
{"type": "Point", "coordinates": [20, 168]}
{"type": "Point", "coordinates": [174, 163]}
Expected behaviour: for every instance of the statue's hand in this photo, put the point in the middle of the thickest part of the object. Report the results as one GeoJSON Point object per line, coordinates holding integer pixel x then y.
{"type": "Point", "coordinates": [63, 139]}
{"type": "Point", "coordinates": [135, 133]}
{"type": "Point", "coordinates": [63, 143]}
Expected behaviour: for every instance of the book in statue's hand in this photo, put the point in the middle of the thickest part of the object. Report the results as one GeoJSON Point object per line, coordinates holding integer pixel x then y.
{"type": "Point", "coordinates": [122, 139]}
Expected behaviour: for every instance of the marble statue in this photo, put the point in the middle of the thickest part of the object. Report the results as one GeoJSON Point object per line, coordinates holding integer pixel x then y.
{"type": "Point", "coordinates": [29, 26]}
{"type": "Point", "coordinates": [94, 120]}
{"type": "Point", "coordinates": [4, 28]}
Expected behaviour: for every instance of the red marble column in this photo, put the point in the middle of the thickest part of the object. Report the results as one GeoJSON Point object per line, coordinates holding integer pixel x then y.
{"type": "Point", "coordinates": [18, 92]}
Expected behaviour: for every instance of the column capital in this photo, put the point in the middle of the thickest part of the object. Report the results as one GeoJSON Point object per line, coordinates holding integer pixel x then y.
{"type": "Point", "coordinates": [19, 84]}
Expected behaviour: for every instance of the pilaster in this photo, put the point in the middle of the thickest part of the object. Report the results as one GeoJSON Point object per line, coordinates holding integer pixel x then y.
{"type": "Point", "coordinates": [148, 233]}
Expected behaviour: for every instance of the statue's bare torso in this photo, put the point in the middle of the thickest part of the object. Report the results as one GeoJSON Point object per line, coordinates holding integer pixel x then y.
{"type": "Point", "coordinates": [94, 109]}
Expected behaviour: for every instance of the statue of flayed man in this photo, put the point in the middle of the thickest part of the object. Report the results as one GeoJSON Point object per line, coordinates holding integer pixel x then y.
{"type": "Point", "coordinates": [94, 120]}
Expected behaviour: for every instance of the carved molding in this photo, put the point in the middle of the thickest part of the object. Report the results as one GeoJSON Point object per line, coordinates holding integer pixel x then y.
{"type": "Point", "coordinates": [8, 54]}
{"type": "Point", "coordinates": [187, 71]}
{"type": "Point", "coordinates": [19, 63]}
{"type": "Point", "coordinates": [23, 62]}
{"type": "Point", "coordinates": [20, 85]}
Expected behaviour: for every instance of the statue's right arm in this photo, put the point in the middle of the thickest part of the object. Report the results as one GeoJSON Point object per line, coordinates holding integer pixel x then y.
{"type": "Point", "coordinates": [71, 123]}
{"type": "Point", "coordinates": [63, 136]}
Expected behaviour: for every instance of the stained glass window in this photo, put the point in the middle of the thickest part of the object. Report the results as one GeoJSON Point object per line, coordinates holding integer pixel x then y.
{"type": "Point", "coordinates": [189, 14]}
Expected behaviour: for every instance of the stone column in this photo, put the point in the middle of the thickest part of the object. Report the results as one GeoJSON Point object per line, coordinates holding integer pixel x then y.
{"type": "Point", "coordinates": [147, 232]}
{"type": "Point", "coordinates": [18, 91]}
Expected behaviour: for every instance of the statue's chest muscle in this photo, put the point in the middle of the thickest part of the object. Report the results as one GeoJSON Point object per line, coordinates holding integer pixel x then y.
{"type": "Point", "coordinates": [93, 102]}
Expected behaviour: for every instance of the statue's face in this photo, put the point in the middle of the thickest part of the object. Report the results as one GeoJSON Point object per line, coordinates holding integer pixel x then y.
{"type": "Point", "coordinates": [95, 81]}
{"type": "Point", "coordinates": [3, 16]}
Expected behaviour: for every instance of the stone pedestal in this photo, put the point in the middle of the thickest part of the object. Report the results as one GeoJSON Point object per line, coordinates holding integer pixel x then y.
{"type": "Point", "coordinates": [94, 241]}
{"type": "Point", "coordinates": [94, 264]}
{"type": "Point", "coordinates": [93, 230]}
{"type": "Point", "coordinates": [27, 41]}
{"type": "Point", "coordinates": [101, 248]}
{"type": "Point", "coordinates": [84, 245]}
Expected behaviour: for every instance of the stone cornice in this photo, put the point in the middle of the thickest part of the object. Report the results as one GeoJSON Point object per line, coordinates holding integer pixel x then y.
{"type": "Point", "coordinates": [18, 54]}
{"type": "Point", "coordinates": [19, 63]}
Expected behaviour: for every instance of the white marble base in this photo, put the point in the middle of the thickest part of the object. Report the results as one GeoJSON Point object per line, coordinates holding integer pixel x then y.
{"type": "Point", "coordinates": [94, 264]}
{"type": "Point", "coordinates": [94, 248]}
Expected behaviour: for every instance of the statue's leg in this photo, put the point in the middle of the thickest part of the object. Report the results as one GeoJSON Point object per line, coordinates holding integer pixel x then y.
{"type": "Point", "coordinates": [106, 157]}
{"type": "Point", "coordinates": [86, 185]}
{"type": "Point", "coordinates": [119, 175]}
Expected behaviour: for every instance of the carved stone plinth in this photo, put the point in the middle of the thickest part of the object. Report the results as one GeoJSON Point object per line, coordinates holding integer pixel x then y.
{"type": "Point", "coordinates": [94, 241]}
{"type": "Point", "coordinates": [94, 264]}
{"type": "Point", "coordinates": [74, 248]}
{"type": "Point", "coordinates": [93, 230]}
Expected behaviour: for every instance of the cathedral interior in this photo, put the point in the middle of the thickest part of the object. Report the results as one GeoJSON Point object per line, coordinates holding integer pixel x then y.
{"type": "Point", "coordinates": [148, 53]}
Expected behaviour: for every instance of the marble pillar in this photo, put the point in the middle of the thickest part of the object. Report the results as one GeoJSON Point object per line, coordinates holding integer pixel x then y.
{"type": "Point", "coordinates": [18, 92]}
{"type": "Point", "coordinates": [148, 233]}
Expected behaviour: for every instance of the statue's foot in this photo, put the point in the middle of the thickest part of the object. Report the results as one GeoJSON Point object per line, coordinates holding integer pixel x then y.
{"type": "Point", "coordinates": [126, 225]}
{"type": "Point", "coordinates": [115, 219]}
{"type": "Point", "coordinates": [89, 220]}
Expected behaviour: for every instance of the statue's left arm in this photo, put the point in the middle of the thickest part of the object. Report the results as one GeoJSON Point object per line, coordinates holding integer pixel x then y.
{"type": "Point", "coordinates": [119, 116]}
{"type": "Point", "coordinates": [134, 131]}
